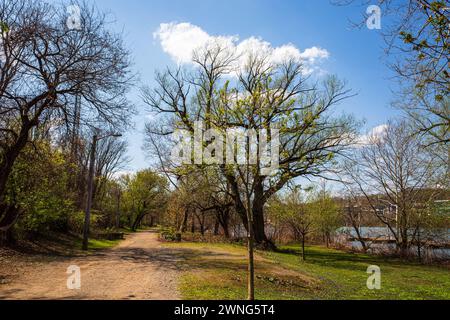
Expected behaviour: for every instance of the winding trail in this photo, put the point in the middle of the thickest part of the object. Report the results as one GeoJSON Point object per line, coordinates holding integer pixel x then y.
{"type": "Point", "coordinates": [138, 268]}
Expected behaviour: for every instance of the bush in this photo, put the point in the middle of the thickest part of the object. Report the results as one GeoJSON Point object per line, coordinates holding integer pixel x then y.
{"type": "Point", "coordinates": [76, 221]}
{"type": "Point", "coordinates": [37, 185]}
{"type": "Point", "coordinates": [169, 234]}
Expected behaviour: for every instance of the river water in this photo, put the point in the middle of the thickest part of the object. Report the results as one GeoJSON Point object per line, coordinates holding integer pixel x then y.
{"type": "Point", "coordinates": [384, 233]}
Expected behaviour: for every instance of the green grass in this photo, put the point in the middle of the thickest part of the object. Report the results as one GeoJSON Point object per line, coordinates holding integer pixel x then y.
{"type": "Point", "coordinates": [344, 275]}
{"type": "Point", "coordinates": [95, 244]}
{"type": "Point", "coordinates": [218, 271]}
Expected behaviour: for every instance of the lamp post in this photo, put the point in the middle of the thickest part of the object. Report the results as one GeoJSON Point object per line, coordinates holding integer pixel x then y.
{"type": "Point", "coordinates": [87, 217]}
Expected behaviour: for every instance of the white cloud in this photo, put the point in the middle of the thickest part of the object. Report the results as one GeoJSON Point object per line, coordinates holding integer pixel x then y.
{"type": "Point", "coordinates": [121, 173]}
{"type": "Point", "coordinates": [314, 53]}
{"type": "Point", "coordinates": [373, 135]}
{"type": "Point", "coordinates": [180, 40]}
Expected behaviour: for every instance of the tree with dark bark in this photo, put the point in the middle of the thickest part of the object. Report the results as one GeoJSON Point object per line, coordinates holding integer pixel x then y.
{"type": "Point", "coordinates": [146, 193]}
{"type": "Point", "coordinates": [265, 104]}
{"type": "Point", "coordinates": [47, 66]}
{"type": "Point", "coordinates": [261, 96]}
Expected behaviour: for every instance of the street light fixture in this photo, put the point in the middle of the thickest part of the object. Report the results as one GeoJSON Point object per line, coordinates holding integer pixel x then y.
{"type": "Point", "coordinates": [87, 217]}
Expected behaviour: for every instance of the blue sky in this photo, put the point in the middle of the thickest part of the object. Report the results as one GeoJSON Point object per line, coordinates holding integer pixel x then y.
{"type": "Point", "coordinates": [356, 55]}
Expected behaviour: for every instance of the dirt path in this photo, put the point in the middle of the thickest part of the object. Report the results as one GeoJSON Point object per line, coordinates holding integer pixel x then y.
{"type": "Point", "coordinates": [138, 268]}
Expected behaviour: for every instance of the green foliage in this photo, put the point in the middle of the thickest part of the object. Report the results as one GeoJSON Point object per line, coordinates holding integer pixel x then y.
{"type": "Point", "coordinates": [293, 211]}
{"type": "Point", "coordinates": [76, 220]}
{"type": "Point", "coordinates": [4, 28]}
{"type": "Point", "coordinates": [424, 67]}
{"type": "Point", "coordinates": [306, 212]}
{"type": "Point", "coordinates": [325, 213]}
{"type": "Point", "coordinates": [143, 193]}
{"type": "Point", "coordinates": [108, 203]}
{"type": "Point", "coordinates": [433, 219]}
{"type": "Point", "coordinates": [38, 186]}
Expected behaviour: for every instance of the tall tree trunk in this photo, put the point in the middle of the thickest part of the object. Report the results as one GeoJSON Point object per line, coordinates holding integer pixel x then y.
{"type": "Point", "coordinates": [419, 246]}
{"type": "Point", "coordinates": [259, 233]}
{"type": "Point", "coordinates": [9, 157]}
{"type": "Point", "coordinates": [139, 218]}
{"type": "Point", "coordinates": [201, 221]}
{"type": "Point", "coordinates": [137, 222]}
{"type": "Point", "coordinates": [327, 239]}
{"type": "Point", "coordinates": [404, 245]}
{"type": "Point", "coordinates": [238, 205]}
{"type": "Point", "coordinates": [193, 223]}
{"type": "Point", "coordinates": [226, 231]}
{"type": "Point", "coordinates": [361, 239]}
{"type": "Point", "coordinates": [357, 227]}
{"type": "Point", "coordinates": [257, 208]}
{"type": "Point", "coordinates": [251, 260]}
{"type": "Point", "coordinates": [261, 239]}
{"type": "Point", "coordinates": [183, 225]}
{"type": "Point", "coordinates": [216, 227]}
{"type": "Point", "coordinates": [224, 222]}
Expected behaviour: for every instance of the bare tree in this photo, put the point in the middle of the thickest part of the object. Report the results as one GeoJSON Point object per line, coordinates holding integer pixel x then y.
{"type": "Point", "coordinates": [354, 211]}
{"type": "Point", "coordinates": [392, 171]}
{"type": "Point", "coordinates": [111, 156]}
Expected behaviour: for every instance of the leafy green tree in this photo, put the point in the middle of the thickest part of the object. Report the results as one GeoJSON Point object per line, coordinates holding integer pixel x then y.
{"type": "Point", "coordinates": [326, 215]}
{"type": "Point", "coordinates": [110, 203]}
{"type": "Point", "coordinates": [293, 211]}
{"type": "Point", "coordinates": [264, 96]}
{"type": "Point", "coordinates": [274, 98]}
{"type": "Point", "coordinates": [38, 186]}
{"type": "Point", "coordinates": [146, 193]}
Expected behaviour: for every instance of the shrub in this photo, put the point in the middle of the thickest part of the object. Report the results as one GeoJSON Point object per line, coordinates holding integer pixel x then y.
{"type": "Point", "coordinates": [170, 234]}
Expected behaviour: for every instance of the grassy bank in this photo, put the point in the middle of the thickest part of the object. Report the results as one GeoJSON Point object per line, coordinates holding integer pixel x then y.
{"type": "Point", "coordinates": [218, 271]}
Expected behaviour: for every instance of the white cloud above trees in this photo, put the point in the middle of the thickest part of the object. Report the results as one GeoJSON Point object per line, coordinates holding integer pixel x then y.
{"type": "Point", "coordinates": [181, 40]}
{"type": "Point", "coordinates": [373, 135]}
